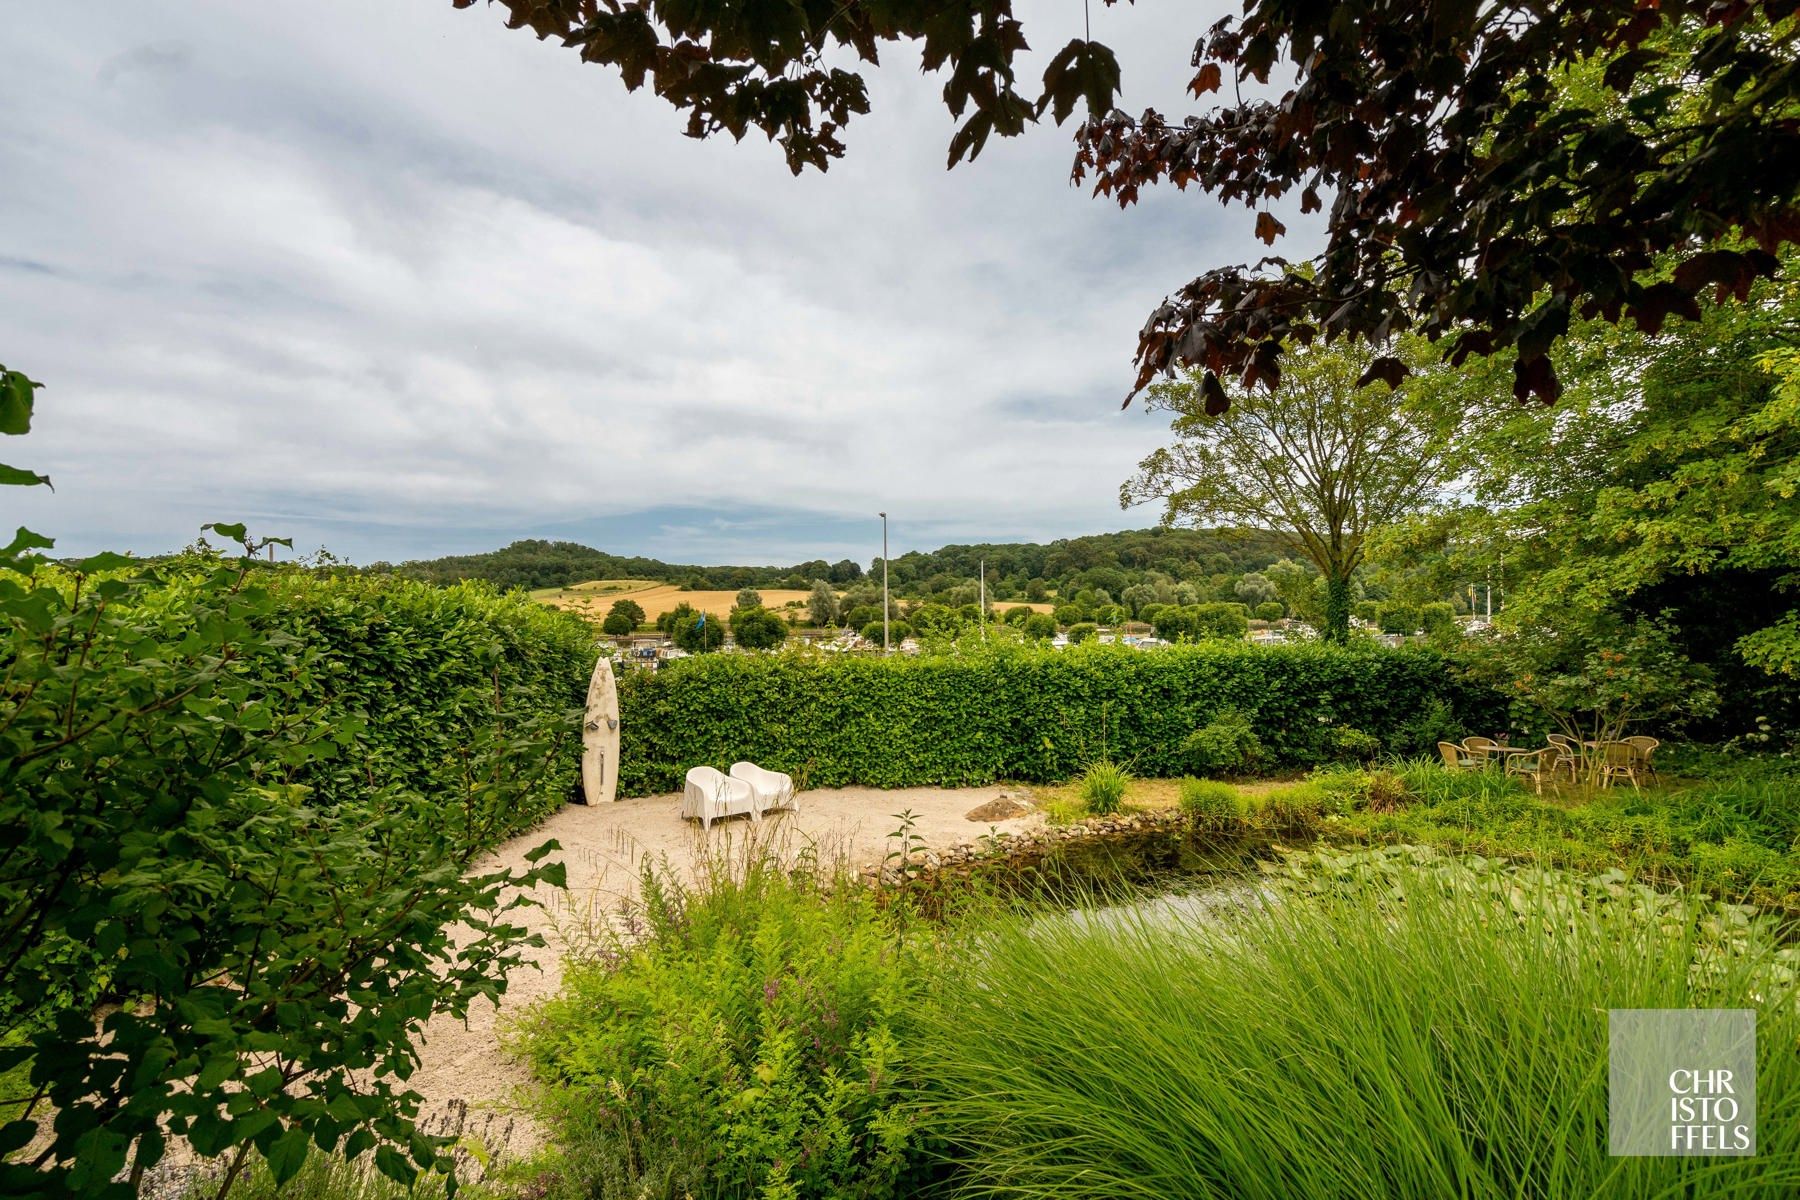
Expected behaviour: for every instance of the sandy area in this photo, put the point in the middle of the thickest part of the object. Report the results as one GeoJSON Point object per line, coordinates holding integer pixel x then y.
{"type": "Point", "coordinates": [603, 848]}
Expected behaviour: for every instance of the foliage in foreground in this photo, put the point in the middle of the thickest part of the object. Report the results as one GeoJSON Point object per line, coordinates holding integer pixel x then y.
{"type": "Point", "coordinates": [743, 1037]}
{"type": "Point", "coordinates": [1018, 713]}
{"type": "Point", "coordinates": [1386, 1024]}
{"type": "Point", "coordinates": [238, 806]}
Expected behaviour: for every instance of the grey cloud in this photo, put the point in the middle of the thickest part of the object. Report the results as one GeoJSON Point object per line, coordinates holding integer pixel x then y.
{"type": "Point", "coordinates": [412, 283]}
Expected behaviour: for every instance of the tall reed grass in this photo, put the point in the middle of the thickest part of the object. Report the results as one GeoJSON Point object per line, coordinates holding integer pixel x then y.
{"type": "Point", "coordinates": [1426, 1030]}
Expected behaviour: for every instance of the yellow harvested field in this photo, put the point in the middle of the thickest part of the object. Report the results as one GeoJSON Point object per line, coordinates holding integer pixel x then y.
{"type": "Point", "coordinates": [595, 598]}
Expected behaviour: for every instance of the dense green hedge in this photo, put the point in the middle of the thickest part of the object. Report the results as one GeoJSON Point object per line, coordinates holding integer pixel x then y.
{"type": "Point", "coordinates": [240, 806]}
{"type": "Point", "coordinates": [427, 667]}
{"type": "Point", "coordinates": [1023, 714]}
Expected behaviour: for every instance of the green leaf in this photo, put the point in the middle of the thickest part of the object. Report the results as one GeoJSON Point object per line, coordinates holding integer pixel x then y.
{"type": "Point", "coordinates": [394, 1165]}
{"type": "Point", "coordinates": [106, 560]}
{"type": "Point", "coordinates": [20, 477]}
{"type": "Point", "coordinates": [25, 540]}
{"type": "Point", "coordinates": [288, 1154]}
{"type": "Point", "coordinates": [15, 401]}
{"type": "Point", "coordinates": [14, 1134]}
{"type": "Point", "coordinates": [227, 529]}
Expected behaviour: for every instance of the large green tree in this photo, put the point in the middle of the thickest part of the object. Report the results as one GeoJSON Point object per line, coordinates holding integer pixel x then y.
{"type": "Point", "coordinates": [1667, 482]}
{"type": "Point", "coordinates": [1323, 464]}
{"type": "Point", "coordinates": [1468, 191]}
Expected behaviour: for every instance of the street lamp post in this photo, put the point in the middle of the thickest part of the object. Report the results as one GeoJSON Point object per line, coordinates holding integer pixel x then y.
{"type": "Point", "coordinates": [884, 585]}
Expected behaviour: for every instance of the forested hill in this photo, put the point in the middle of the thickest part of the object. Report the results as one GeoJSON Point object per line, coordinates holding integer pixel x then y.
{"type": "Point", "coordinates": [1012, 567]}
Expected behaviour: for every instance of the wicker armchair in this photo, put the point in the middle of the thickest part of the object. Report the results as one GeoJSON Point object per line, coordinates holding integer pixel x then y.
{"type": "Point", "coordinates": [1645, 746]}
{"type": "Point", "coordinates": [1478, 748]}
{"type": "Point", "coordinates": [1456, 758]}
{"type": "Point", "coordinates": [1619, 760]}
{"type": "Point", "coordinates": [1535, 765]}
{"type": "Point", "coordinates": [1568, 754]}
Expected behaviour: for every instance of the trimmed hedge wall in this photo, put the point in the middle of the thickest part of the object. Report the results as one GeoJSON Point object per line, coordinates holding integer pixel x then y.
{"type": "Point", "coordinates": [430, 669]}
{"type": "Point", "coordinates": [1036, 715]}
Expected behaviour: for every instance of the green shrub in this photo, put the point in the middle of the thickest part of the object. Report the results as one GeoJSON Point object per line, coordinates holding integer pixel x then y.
{"type": "Point", "coordinates": [1226, 620]}
{"type": "Point", "coordinates": [895, 632]}
{"type": "Point", "coordinates": [1433, 721]}
{"type": "Point", "coordinates": [630, 609]}
{"type": "Point", "coordinates": [1010, 712]}
{"type": "Point", "coordinates": [1226, 745]}
{"type": "Point", "coordinates": [1348, 790]}
{"type": "Point", "coordinates": [273, 799]}
{"type": "Point", "coordinates": [699, 633]}
{"type": "Point", "coordinates": [1294, 808]}
{"type": "Point", "coordinates": [1468, 1023]}
{"type": "Point", "coordinates": [1102, 787]}
{"type": "Point", "coordinates": [1039, 627]}
{"type": "Point", "coordinates": [1081, 631]}
{"type": "Point", "coordinates": [1395, 617]}
{"type": "Point", "coordinates": [617, 624]}
{"type": "Point", "coordinates": [746, 1037]}
{"type": "Point", "coordinates": [1070, 614]}
{"type": "Point", "coordinates": [1211, 804]}
{"type": "Point", "coordinates": [1438, 620]}
{"type": "Point", "coordinates": [862, 616]}
{"type": "Point", "coordinates": [1350, 744]}
{"type": "Point", "coordinates": [758, 629]}
{"type": "Point", "coordinates": [1016, 615]}
{"type": "Point", "coordinates": [1270, 610]}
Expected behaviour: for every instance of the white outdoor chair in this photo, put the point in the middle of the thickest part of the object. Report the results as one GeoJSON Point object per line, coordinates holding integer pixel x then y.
{"type": "Point", "coordinates": [773, 789]}
{"type": "Point", "coordinates": [711, 794]}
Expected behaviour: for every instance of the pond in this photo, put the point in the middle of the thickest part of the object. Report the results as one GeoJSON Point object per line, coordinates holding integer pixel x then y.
{"type": "Point", "coordinates": [1173, 866]}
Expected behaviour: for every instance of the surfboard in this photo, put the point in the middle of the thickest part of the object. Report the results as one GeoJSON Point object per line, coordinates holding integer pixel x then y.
{"type": "Point", "coordinates": [600, 737]}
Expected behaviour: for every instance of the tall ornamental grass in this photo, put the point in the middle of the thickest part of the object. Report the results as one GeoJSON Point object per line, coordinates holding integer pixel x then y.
{"type": "Point", "coordinates": [1395, 1026]}
{"type": "Point", "coordinates": [741, 1037]}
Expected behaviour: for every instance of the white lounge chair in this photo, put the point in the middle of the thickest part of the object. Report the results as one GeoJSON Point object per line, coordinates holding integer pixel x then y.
{"type": "Point", "coordinates": [711, 794]}
{"type": "Point", "coordinates": [773, 789]}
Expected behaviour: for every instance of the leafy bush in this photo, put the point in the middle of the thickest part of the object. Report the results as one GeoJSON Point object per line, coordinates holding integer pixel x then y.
{"type": "Point", "coordinates": [1222, 619]}
{"type": "Point", "coordinates": [745, 1037]}
{"type": "Point", "coordinates": [1211, 804]}
{"type": "Point", "coordinates": [1070, 614]}
{"type": "Point", "coordinates": [1225, 745]}
{"type": "Point", "coordinates": [1438, 620]}
{"type": "Point", "coordinates": [1432, 721]}
{"type": "Point", "coordinates": [1039, 627]}
{"type": "Point", "coordinates": [1460, 1008]}
{"type": "Point", "coordinates": [698, 633]}
{"type": "Point", "coordinates": [1351, 744]}
{"type": "Point", "coordinates": [1081, 631]}
{"type": "Point", "coordinates": [1102, 787]}
{"type": "Point", "coordinates": [1293, 808]}
{"type": "Point", "coordinates": [1012, 712]}
{"type": "Point", "coordinates": [758, 629]}
{"type": "Point", "coordinates": [1395, 617]}
{"type": "Point", "coordinates": [1270, 610]}
{"type": "Point", "coordinates": [630, 609]}
{"type": "Point", "coordinates": [617, 624]}
{"type": "Point", "coordinates": [1016, 615]}
{"type": "Point", "coordinates": [682, 614]}
{"type": "Point", "coordinates": [268, 805]}
{"type": "Point", "coordinates": [895, 631]}
{"type": "Point", "coordinates": [862, 616]}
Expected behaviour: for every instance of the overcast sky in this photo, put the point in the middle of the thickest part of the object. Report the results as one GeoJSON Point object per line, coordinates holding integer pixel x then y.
{"type": "Point", "coordinates": [391, 278]}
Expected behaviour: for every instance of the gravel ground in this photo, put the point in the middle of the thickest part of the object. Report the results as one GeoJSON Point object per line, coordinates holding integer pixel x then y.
{"type": "Point", "coordinates": [604, 848]}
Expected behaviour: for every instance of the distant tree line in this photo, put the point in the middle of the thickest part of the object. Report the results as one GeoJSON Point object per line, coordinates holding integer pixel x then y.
{"type": "Point", "coordinates": [536, 563]}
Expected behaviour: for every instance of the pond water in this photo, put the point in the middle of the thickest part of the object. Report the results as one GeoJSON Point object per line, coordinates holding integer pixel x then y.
{"type": "Point", "coordinates": [1175, 870]}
